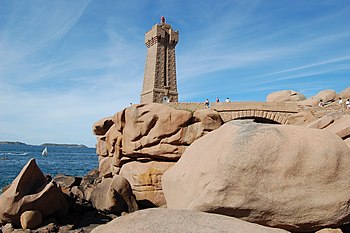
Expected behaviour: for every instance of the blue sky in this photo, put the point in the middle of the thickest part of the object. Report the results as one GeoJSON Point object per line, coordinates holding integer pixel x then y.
{"type": "Point", "coordinates": [66, 64]}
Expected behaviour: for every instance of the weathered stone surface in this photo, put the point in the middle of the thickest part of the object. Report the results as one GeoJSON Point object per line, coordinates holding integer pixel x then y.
{"type": "Point", "coordinates": [330, 230]}
{"type": "Point", "coordinates": [347, 142]}
{"type": "Point", "coordinates": [87, 185]}
{"type": "Point", "coordinates": [169, 221]}
{"type": "Point", "coordinates": [285, 96]}
{"type": "Point", "coordinates": [148, 129]}
{"type": "Point", "coordinates": [322, 122]}
{"type": "Point", "coordinates": [209, 119]}
{"type": "Point", "coordinates": [101, 148]}
{"type": "Point", "coordinates": [102, 126]}
{"type": "Point", "coordinates": [301, 118]}
{"type": "Point", "coordinates": [31, 219]}
{"type": "Point", "coordinates": [113, 195]}
{"type": "Point", "coordinates": [155, 130]}
{"type": "Point", "coordinates": [341, 127]}
{"type": "Point", "coordinates": [143, 133]}
{"type": "Point", "coordinates": [67, 181]}
{"type": "Point", "coordinates": [31, 191]}
{"type": "Point", "coordinates": [145, 180]}
{"type": "Point", "coordinates": [345, 93]}
{"type": "Point", "coordinates": [105, 166]}
{"type": "Point", "coordinates": [292, 177]}
{"type": "Point", "coordinates": [8, 228]}
{"type": "Point", "coordinates": [325, 96]}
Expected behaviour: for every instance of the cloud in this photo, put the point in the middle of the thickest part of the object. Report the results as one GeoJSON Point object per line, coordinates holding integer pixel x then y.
{"type": "Point", "coordinates": [71, 63]}
{"type": "Point", "coordinates": [51, 93]}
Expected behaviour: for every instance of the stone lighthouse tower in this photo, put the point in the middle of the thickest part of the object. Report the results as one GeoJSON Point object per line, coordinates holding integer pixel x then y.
{"type": "Point", "coordinates": [159, 83]}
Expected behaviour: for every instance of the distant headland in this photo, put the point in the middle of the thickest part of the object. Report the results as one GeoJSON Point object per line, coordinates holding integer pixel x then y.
{"type": "Point", "coordinates": [11, 143]}
{"type": "Point", "coordinates": [64, 145]}
{"type": "Point", "coordinates": [44, 144]}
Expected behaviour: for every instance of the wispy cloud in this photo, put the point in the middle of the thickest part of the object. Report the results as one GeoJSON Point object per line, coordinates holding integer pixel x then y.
{"type": "Point", "coordinates": [67, 64]}
{"type": "Point", "coordinates": [313, 65]}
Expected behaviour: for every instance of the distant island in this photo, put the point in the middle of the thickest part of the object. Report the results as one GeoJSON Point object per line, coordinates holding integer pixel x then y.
{"type": "Point", "coordinates": [64, 145]}
{"type": "Point", "coordinates": [44, 144]}
{"type": "Point", "coordinates": [12, 143]}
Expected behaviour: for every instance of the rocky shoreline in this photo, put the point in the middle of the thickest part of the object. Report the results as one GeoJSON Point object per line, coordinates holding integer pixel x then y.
{"type": "Point", "coordinates": [198, 174]}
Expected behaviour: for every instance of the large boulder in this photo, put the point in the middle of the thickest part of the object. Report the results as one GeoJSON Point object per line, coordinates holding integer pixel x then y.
{"type": "Point", "coordinates": [86, 186]}
{"type": "Point", "coordinates": [285, 176]}
{"type": "Point", "coordinates": [341, 127]}
{"type": "Point", "coordinates": [31, 219]}
{"type": "Point", "coordinates": [143, 133]}
{"type": "Point", "coordinates": [113, 195]}
{"type": "Point", "coordinates": [31, 191]}
{"type": "Point", "coordinates": [154, 130]}
{"type": "Point", "coordinates": [169, 221]}
{"type": "Point", "coordinates": [102, 126]}
{"type": "Point", "coordinates": [285, 96]}
{"type": "Point", "coordinates": [301, 118]}
{"type": "Point", "coordinates": [321, 122]}
{"type": "Point", "coordinates": [325, 96]}
{"type": "Point", "coordinates": [145, 179]}
{"type": "Point", "coordinates": [345, 94]}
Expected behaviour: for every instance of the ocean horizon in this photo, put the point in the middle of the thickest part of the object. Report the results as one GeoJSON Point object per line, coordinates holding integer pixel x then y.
{"type": "Point", "coordinates": [67, 160]}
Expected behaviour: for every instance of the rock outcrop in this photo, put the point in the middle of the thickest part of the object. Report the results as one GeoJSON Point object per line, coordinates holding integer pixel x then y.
{"type": "Point", "coordinates": [169, 221]}
{"type": "Point", "coordinates": [285, 96]}
{"type": "Point", "coordinates": [340, 127]}
{"type": "Point", "coordinates": [301, 118]}
{"type": "Point", "coordinates": [31, 219]}
{"type": "Point", "coordinates": [284, 176]}
{"type": "Point", "coordinates": [146, 179]}
{"type": "Point", "coordinates": [325, 96]}
{"type": "Point", "coordinates": [31, 191]}
{"type": "Point", "coordinates": [145, 140]}
{"type": "Point", "coordinates": [336, 123]}
{"type": "Point", "coordinates": [113, 195]}
{"type": "Point", "coordinates": [345, 94]}
{"type": "Point", "coordinates": [322, 122]}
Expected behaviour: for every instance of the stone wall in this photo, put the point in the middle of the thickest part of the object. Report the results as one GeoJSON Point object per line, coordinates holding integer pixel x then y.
{"type": "Point", "coordinates": [278, 112]}
{"type": "Point", "coordinates": [261, 106]}
{"type": "Point", "coordinates": [319, 112]}
{"type": "Point", "coordinates": [188, 106]}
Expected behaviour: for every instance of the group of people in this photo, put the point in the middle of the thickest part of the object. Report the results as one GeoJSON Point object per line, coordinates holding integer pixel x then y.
{"type": "Point", "coordinates": [227, 100]}
{"type": "Point", "coordinates": [217, 100]}
{"type": "Point", "coordinates": [340, 102]}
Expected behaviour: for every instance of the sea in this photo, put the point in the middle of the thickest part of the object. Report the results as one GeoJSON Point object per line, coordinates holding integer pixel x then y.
{"type": "Point", "coordinates": [74, 161]}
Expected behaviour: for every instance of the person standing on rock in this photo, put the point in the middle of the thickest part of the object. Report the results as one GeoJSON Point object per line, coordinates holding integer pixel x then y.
{"type": "Point", "coordinates": [347, 104]}
{"type": "Point", "coordinates": [321, 104]}
{"type": "Point", "coordinates": [207, 103]}
{"type": "Point", "coordinates": [227, 100]}
{"type": "Point", "coordinates": [340, 102]}
{"type": "Point", "coordinates": [217, 99]}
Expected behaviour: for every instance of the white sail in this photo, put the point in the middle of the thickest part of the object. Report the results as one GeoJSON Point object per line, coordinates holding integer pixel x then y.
{"type": "Point", "coordinates": [44, 153]}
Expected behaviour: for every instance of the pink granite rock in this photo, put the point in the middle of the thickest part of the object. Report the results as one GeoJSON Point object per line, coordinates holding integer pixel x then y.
{"type": "Point", "coordinates": [285, 96]}
{"type": "Point", "coordinates": [284, 176]}
{"type": "Point", "coordinates": [170, 221]}
{"type": "Point", "coordinates": [31, 191]}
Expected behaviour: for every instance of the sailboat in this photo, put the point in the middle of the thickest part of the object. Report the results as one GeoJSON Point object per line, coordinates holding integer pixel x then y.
{"type": "Point", "coordinates": [44, 153]}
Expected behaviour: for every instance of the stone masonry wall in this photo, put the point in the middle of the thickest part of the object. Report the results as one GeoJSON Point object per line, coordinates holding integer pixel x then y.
{"type": "Point", "coordinates": [188, 106]}
{"type": "Point", "coordinates": [318, 112]}
{"type": "Point", "coordinates": [327, 109]}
